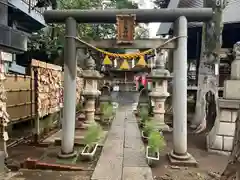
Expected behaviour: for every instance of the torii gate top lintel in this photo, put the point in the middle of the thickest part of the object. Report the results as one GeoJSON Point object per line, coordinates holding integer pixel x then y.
{"type": "Point", "coordinates": [142, 15]}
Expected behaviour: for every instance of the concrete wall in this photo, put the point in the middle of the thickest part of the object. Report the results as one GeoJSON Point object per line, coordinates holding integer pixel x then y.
{"type": "Point", "coordinates": [221, 140]}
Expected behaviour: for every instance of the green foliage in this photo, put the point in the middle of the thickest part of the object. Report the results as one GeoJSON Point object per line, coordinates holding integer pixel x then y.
{"type": "Point", "coordinates": [143, 114]}
{"type": "Point", "coordinates": [102, 106]}
{"type": "Point", "coordinates": [149, 127]}
{"type": "Point", "coordinates": [51, 39]}
{"type": "Point", "coordinates": [93, 134]}
{"type": "Point", "coordinates": [106, 110]}
{"type": "Point", "coordinates": [124, 4]}
{"type": "Point", "coordinates": [156, 142]}
{"type": "Point", "coordinates": [79, 107]}
{"type": "Point", "coordinates": [43, 41]}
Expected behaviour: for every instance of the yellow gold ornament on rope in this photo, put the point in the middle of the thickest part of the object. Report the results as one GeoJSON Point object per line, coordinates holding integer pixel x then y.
{"type": "Point", "coordinates": [123, 55]}
{"type": "Point", "coordinates": [107, 60]}
{"type": "Point", "coordinates": [126, 56]}
{"type": "Point", "coordinates": [141, 62]}
{"type": "Point", "coordinates": [124, 65]}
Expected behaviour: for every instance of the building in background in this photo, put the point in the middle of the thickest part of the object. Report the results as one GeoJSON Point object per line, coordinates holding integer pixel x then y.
{"type": "Point", "coordinates": [151, 27]}
{"type": "Point", "coordinates": [18, 20]}
{"type": "Point", "coordinates": [230, 32]}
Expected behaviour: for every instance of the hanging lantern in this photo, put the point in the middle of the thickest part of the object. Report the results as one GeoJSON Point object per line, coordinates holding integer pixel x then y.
{"type": "Point", "coordinates": [124, 65]}
{"type": "Point", "coordinates": [107, 61]}
{"type": "Point", "coordinates": [141, 62]}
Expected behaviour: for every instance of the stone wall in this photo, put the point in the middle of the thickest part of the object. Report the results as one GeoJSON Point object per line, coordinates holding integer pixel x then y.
{"type": "Point", "coordinates": [227, 129]}
{"type": "Point", "coordinates": [226, 125]}
{"type": "Point", "coordinates": [221, 137]}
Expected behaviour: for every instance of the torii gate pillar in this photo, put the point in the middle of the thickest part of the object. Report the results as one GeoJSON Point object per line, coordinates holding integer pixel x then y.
{"type": "Point", "coordinates": [69, 94]}
{"type": "Point", "coordinates": [179, 154]}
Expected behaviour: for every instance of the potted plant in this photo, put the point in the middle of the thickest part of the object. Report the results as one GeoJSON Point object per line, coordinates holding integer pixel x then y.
{"type": "Point", "coordinates": [106, 113]}
{"type": "Point", "coordinates": [147, 129]}
{"type": "Point", "coordinates": [143, 116]}
{"type": "Point", "coordinates": [99, 112]}
{"type": "Point", "coordinates": [156, 143]}
{"type": "Point", "coordinates": [91, 139]}
{"type": "Point", "coordinates": [102, 107]}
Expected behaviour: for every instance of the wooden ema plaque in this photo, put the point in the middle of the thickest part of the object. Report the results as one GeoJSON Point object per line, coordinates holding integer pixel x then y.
{"type": "Point", "coordinates": [125, 29]}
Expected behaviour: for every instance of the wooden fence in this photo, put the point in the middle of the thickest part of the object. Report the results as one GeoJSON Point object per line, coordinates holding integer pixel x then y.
{"type": "Point", "coordinates": [36, 95]}
{"type": "Point", "coordinates": [20, 97]}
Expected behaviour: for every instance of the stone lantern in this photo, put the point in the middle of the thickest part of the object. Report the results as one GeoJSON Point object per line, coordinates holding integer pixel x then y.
{"type": "Point", "coordinates": [90, 92]}
{"type": "Point", "coordinates": [159, 77]}
{"type": "Point", "coordinates": [235, 66]}
{"type": "Point", "coordinates": [105, 95]}
{"type": "Point", "coordinates": [143, 101]}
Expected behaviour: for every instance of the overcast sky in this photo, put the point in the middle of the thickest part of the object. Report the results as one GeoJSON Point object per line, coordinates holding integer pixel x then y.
{"type": "Point", "coordinates": [148, 4]}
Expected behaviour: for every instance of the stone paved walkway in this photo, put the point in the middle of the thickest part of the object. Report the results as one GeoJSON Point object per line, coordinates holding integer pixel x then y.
{"type": "Point", "coordinates": [123, 154]}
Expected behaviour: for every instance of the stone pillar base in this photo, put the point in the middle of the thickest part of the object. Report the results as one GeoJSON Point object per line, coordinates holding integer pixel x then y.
{"type": "Point", "coordinates": [90, 117]}
{"type": "Point", "coordinates": [90, 110]}
{"type": "Point", "coordinates": [182, 160]}
{"type": "Point", "coordinates": [158, 120]}
{"type": "Point", "coordinates": [62, 155]}
{"type": "Point", "coordinates": [164, 127]}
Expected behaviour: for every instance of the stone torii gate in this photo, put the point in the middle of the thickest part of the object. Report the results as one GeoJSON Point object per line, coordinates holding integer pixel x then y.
{"type": "Point", "coordinates": [180, 17]}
